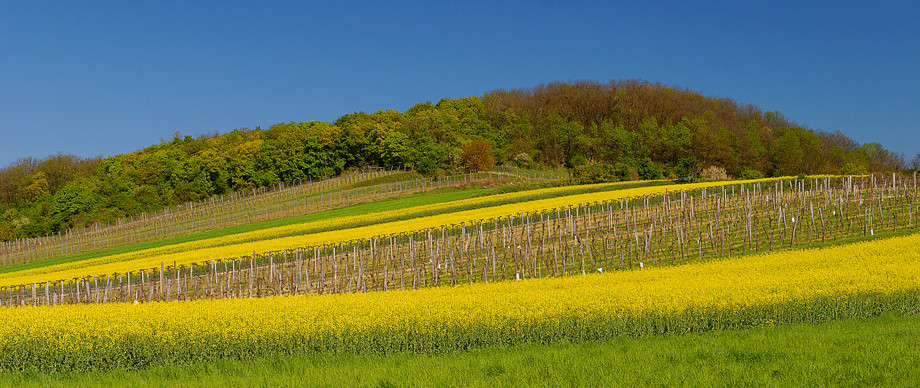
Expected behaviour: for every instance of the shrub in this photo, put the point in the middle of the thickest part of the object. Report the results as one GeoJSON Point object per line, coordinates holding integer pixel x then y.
{"type": "Point", "coordinates": [648, 170]}
{"type": "Point", "coordinates": [626, 172]}
{"type": "Point", "coordinates": [577, 160]}
{"type": "Point", "coordinates": [595, 173]}
{"type": "Point", "coordinates": [427, 167]}
{"type": "Point", "coordinates": [523, 160]}
{"type": "Point", "coordinates": [853, 169]}
{"type": "Point", "coordinates": [751, 173]}
{"type": "Point", "coordinates": [603, 172]}
{"type": "Point", "coordinates": [714, 173]}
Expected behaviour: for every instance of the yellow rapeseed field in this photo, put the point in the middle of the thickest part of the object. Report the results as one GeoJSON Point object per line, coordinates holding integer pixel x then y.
{"type": "Point", "coordinates": [799, 286]}
{"type": "Point", "coordinates": [242, 244]}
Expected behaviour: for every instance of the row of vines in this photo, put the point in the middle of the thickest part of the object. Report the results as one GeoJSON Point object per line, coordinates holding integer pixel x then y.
{"type": "Point", "coordinates": [606, 236]}
{"type": "Point", "coordinates": [261, 204]}
{"type": "Point", "coordinates": [794, 286]}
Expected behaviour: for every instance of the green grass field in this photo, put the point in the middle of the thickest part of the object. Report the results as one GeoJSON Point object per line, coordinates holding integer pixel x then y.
{"type": "Point", "coordinates": [365, 208]}
{"type": "Point", "coordinates": [878, 351]}
{"type": "Point", "coordinates": [407, 202]}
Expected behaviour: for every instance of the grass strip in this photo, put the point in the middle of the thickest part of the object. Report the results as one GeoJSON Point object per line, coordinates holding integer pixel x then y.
{"type": "Point", "coordinates": [401, 209]}
{"type": "Point", "coordinates": [876, 351]}
{"type": "Point", "coordinates": [354, 210]}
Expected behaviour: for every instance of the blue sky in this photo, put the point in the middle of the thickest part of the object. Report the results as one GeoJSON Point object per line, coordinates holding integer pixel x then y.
{"type": "Point", "coordinates": [97, 78]}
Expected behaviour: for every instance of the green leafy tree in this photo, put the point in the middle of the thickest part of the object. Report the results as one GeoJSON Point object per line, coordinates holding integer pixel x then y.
{"type": "Point", "coordinates": [647, 138]}
{"type": "Point", "coordinates": [676, 141]}
{"type": "Point", "coordinates": [618, 143]}
{"type": "Point", "coordinates": [688, 168]}
{"type": "Point", "coordinates": [647, 169]}
{"type": "Point", "coordinates": [712, 145]}
{"type": "Point", "coordinates": [559, 139]}
{"type": "Point", "coordinates": [38, 187]}
{"type": "Point", "coordinates": [425, 121]}
{"type": "Point", "coordinates": [797, 151]}
{"type": "Point", "coordinates": [356, 137]}
{"type": "Point", "coordinates": [427, 157]}
{"type": "Point", "coordinates": [70, 202]}
{"type": "Point", "coordinates": [394, 150]}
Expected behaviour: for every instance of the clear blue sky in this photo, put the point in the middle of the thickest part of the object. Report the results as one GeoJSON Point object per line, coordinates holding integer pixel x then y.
{"type": "Point", "coordinates": [103, 78]}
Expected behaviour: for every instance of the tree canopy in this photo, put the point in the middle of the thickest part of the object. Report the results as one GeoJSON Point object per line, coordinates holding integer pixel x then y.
{"type": "Point", "coordinates": [625, 129]}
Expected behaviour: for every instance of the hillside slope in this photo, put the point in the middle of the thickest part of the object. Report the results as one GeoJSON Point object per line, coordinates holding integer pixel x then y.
{"type": "Point", "coordinates": [641, 129]}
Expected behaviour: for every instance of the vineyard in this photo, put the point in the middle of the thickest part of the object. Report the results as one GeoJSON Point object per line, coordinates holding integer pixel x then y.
{"type": "Point", "coordinates": [558, 263]}
{"type": "Point", "coordinates": [809, 286]}
{"type": "Point", "coordinates": [571, 234]}
{"type": "Point", "coordinates": [244, 208]}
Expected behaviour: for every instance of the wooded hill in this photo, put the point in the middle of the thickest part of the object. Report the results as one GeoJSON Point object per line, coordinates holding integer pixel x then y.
{"type": "Point", "coordinates": [605, 131]}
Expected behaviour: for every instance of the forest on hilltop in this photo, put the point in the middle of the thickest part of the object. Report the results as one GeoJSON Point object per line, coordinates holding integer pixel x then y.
{"type": "Point", "coordinates": [619, 130]}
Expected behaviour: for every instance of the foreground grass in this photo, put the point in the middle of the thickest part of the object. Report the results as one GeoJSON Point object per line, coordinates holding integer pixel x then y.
{"type": "Point", "coordinates": [878, 351]}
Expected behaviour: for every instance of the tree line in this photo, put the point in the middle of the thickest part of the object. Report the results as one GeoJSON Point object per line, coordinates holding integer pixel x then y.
{"type": "Point", "coordinates": [620, 130]}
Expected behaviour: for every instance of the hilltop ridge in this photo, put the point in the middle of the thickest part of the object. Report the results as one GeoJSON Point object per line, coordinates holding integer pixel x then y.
{"type": "Point", "coordinates": [631, 129]}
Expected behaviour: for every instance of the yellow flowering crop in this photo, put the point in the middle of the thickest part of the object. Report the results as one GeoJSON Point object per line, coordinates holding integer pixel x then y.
{"type": "Point", "coordinates": [799, 286]}
{"type": "Point", "coordinates": [243, 244]}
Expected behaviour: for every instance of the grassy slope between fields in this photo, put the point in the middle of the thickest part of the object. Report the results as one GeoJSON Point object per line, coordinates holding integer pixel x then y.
{"type": "Point", "coordinates": [406, 202]}
{"type": "Point", "coordinates": [878, 351]}
{"type": "Point", "coordinates": [247, 238]}
{"type": "Point", "coordinates": [329, 230]}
